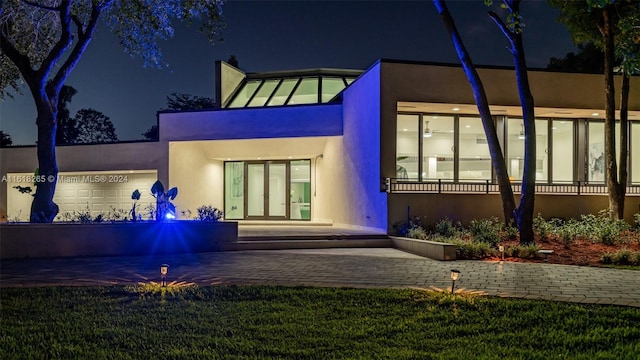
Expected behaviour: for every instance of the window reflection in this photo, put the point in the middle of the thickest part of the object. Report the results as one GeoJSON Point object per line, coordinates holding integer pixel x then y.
{"type": "Point", "coordinates": [515, 149]}
{"type": "Point", "coordinates": [437, 147]}
{"type": "Point", "coordinates": [563, 150]}
{"type": "Point", "coordinates": [475, 161]}
{"type": "Point", "coordinates": [407, 147]}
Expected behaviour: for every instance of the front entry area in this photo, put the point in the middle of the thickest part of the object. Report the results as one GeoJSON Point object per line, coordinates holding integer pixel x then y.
{"type": "Point", "coordinates": [268, 190]}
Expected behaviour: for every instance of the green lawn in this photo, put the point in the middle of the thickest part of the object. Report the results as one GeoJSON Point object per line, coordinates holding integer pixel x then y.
{"type": "Point", "coordinates": [251, 322]}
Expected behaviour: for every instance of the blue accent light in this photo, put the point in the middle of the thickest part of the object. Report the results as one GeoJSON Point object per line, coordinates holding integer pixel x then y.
{"type": "Point", "coordinates": [169, 216]}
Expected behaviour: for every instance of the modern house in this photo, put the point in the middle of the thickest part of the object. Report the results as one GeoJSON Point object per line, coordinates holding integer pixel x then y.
{"type": "Point", "coordinates": [355, 148]}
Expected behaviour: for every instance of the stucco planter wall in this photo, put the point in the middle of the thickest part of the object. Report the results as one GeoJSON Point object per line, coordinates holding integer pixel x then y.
{"type": "Point", "coordinates": [429, 249]}
{"type": "Point", "coordinates": [114, 239]}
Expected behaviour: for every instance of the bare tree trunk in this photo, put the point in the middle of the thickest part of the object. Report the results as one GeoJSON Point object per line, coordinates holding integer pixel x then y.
{"type": "Point", "coordinates": [610, 116]}
{"type": "Point", "coordinates": [624, 144]}
{"type": "Point", "coordinates": [497, 157]}
{"type": "Point", "coordinates": [43, 209]}
{"type": "Point", "coordinates": [524, 211]}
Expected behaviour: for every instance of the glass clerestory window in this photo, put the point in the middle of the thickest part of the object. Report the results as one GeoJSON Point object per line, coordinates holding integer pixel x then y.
{"type": "Point", "coordinates": [289, 91]}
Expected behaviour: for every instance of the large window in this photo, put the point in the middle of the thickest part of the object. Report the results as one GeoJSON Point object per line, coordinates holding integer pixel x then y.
{"type": "Point", "coordinates": [596, 161]}
{"type": "Point", "coordinates": [300, 196]}
{"type": "Point", "coordinates": [563, 151]}
{"type": "Point", "coordinates": [234, 190]}
{"type": "Point", "coordinates": [515, 149]}
{"type": "Point", "coordinates": [475, 160]}
{"type": "Point", "coordinates": [437, 147]}
{"type": "Point", "coordinates": [407, 145]}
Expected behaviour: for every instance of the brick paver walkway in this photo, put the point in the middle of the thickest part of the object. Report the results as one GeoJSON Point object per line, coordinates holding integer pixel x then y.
{"type": "Point", "coordinates": [337, 268]}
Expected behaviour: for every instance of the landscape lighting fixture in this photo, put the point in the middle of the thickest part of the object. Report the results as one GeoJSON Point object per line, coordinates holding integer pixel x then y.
{"type": "Point", "coordinates": [455, 274]}
{"type": "Point", "coordinates": [501, 249]}
{"type": "Point", "coordinates": [164, 269]}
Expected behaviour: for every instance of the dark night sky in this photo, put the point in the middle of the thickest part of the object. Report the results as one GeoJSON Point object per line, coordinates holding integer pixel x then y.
{"type": "Point", "coordinates": [271, 35]}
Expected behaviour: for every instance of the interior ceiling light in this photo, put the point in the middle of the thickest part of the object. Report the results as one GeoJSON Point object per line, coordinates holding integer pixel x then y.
{"type": "Point", "coordinates": [427, 131]}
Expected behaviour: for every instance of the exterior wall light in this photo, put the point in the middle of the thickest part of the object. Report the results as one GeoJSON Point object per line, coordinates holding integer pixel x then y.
{"type": "Point", "coordinates": [455, 274]}
{"type": "Point", "coordinates": [164, 269]}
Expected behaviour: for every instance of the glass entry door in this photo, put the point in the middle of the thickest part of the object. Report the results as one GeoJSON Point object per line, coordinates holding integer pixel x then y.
{"type": "Point", "coordinates": [267, 187]}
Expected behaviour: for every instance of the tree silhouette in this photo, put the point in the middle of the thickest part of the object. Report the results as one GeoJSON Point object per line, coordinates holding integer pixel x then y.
{"type": "Point", "coordinates": [94, 127]}
{"type": "Point", "coordinates": [5, 139]}
{"type": "Point", "coordinates": [151, 133]}
{"type": "Point", "coordinates": [587, 60]}
{"type": "Point", "coordinates": [66, 132]}
{"type": "Point", "coordinates": [180, 101]}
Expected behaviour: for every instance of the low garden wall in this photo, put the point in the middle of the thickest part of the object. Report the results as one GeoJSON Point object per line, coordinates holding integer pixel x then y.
{"type": "Point", "coordinates": [114, 239]}
{"type": "Point", "coordinates": [429, 249]}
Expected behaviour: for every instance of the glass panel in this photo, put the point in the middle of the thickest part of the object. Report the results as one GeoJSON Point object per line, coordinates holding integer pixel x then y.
{"type": "Point", "coordinates": [283, 92]}
{"type": "Point", "coordinates": [245, 94]}
{"type": "Point", "coordinates": [515, 148]}
{"type": "Point", "coordinates": [255, 189]}
{"type": "Point", "coordinates": [263, 94]}
{"type": "Point", "coordinates": [331, 87]}
{"type": "Point", "coordinates": [234, 190]}
{"type": "Point", "coordinates": [475, 161]}
{"type": "Point", "coordinates": [563, 151]}
{"type": "Point", "coordinates": [349, 80]}
{"type": "Point", "coordinates": [278, 190]}
{"type": "Point", "coordinates": [635, 153]}
{"type": "Point", "coordinates": [596, 161]}
{"type": "Point", "coordinates": [301, 190]}
{"type": "Point", "coordinates": [437, 148]}
{"type": "Point", "coordinates": [306, 93]}
{"type": "Point", "coordinates": [407, 147]}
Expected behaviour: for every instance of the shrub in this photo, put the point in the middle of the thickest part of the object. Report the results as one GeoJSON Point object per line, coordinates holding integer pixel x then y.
{"type": "Point", "coordinates": [607, 258]}
{"type": "Point", "coordinates": [209, 213]}
{"type": "Point", "coordinates": [621, 257]}
{"type": "Point", "coordinates": [445, 227]}
{"type": "Point", "coordinates": [417, 232]}
{"type": "Point", "coordinates": [485, 230]}
{"type": "Point", "coordinates": [471, 249]}
{"type": "Point", "coordinates": [637, 219]}
{"type": "Point", "coordinates": [522, 251]}
{"type": "Point", "coordinates": [541, 228]}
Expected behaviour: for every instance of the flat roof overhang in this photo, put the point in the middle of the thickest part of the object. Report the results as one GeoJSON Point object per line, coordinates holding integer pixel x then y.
{"type": "Point", "coordinates": [259, 149]}
{"type": "Point", "coordinates": [252, 123]}
{"type": "Point", "coordinates": [513, 111]}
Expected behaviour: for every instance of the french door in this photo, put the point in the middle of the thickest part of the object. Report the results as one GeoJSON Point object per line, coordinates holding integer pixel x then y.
{"type": "Point", "coordinates": [267, 190]}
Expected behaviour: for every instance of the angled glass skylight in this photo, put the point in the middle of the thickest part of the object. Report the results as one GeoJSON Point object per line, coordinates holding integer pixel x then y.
{"type": "Point", "coordinates": [291, 88]}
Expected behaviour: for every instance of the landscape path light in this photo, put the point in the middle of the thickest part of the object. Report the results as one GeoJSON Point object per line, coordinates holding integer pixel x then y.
{"type": "Point", "coordinates": [455, 274]}
{"type": "Point", "coordinates": [501, 249]}
{"type": "Point", "coordinates": [164, 268]}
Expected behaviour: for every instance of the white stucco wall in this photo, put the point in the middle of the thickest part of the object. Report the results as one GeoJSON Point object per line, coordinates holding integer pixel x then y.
{"type": "Point", "coordinates": [199, 180]}
{"type": "Point", "coordinates": [349, 172]}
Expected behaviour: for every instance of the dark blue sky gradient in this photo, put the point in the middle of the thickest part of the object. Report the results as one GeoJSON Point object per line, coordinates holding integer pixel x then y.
{"type": "Point", "coordinates": [271, 35]}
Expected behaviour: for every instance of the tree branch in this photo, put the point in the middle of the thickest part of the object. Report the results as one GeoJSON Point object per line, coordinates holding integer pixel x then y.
{"type": "Point", "coordinates": [63, 43]}
{"type": "Point", "coordinates": [503, 27]}
{"type": "Point", "coordinates": [84, 38]}
{"type": "Point", "coordinates": [79, 24]}
{"type": "Point", "coordinates": [40, 6]}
